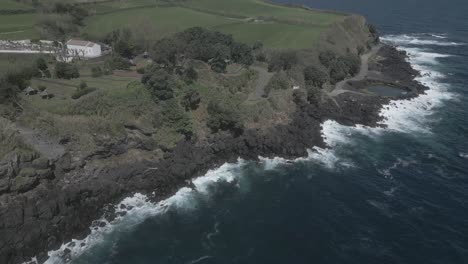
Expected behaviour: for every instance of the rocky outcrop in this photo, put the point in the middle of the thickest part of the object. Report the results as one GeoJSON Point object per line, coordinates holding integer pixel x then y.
{"type": "Point", "coordinates": [44, 203]}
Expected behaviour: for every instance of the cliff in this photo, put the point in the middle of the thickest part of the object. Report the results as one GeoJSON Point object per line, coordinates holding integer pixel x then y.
{"type": "Point", "coordinates": [52, 188]}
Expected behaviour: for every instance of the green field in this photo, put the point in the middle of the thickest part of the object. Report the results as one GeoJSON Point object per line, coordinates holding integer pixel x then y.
{"type": "Point", "coordinates": [19, 26]}
{"type": "Point", "coordinates": [160, 21]}
{"type": "Point", "coordinates": [248, 20]}
{"type": "Point", "coordinates": [13, 5]}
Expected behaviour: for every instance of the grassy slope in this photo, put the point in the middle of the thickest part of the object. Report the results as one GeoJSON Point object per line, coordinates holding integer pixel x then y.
{"type": "Point", "coordinates": [17, 26]}
{"type": "Point", "coordinates": [278, 26]}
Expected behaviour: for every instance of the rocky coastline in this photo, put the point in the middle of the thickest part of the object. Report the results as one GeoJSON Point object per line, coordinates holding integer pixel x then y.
{"type": "Point", "coordinates": [51, 201]}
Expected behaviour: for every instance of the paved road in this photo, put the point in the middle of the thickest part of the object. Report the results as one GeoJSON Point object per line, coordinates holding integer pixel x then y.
{"type": "Point", "coordinates": [360, 76]}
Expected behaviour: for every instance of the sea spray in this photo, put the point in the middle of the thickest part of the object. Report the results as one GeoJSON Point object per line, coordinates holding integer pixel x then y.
{"type": "Point", "coordinates": [133, 210]}
{"type": "Point", "coordinates": [401, 116]}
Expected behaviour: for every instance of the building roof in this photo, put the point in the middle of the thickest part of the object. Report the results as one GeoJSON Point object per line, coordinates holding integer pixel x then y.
{"type": "Point", "coordinates": [83, 43]}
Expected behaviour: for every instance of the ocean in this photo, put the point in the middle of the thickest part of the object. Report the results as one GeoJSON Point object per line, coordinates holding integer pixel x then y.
{"type": "Point", "coordinates": [377, 195]}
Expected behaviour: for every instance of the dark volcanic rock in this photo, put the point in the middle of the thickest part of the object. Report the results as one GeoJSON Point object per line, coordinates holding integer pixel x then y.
{"type": "Point", "coordinates": [44, 204]}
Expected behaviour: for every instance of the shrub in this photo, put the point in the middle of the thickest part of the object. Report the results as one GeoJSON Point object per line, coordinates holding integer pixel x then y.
{"type": "Point", "coordinates": [41, 64]}
{"type": "Point", "coordinates": [41, 88]}
{"type": "Point", "coordinates": [279, 81]}
{"type": "Point", "coordinates": [96, 71]}
{"type": "Point", "coordinates": [191, 100]}
{"type": "Point", "coordinates": [141, 70]}
{"type": "Point", "coordinates": [81, 92]}
{"type": "Point", "coordinates": [190, 75]}
{"type": "Point", "coordinates": [175, 118]}
{"type": "Point", "coordinates": [8, 91]}
{"type": "Point", "coordinates": [67, 71]}
{"type": "Point", "coordinates": [83, 85]}
{"type": "Point", "coordinates": [218, 65]}
{"type": "Point", "coordinates": [117, 63]}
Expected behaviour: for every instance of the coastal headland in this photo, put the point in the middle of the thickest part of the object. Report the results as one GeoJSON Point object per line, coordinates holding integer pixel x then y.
{"type": "Point", "coordinates": [176, 98]}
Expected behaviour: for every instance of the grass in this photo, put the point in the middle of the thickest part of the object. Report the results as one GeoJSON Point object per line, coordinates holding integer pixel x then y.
{"type": "Point", "coordinates": [13, 5]}
{"type": "Point", "coordinates": [248, 20]}
{"type": "Point", "coordinates": [160, 21]}
{"type": "Point", "coordinates": [19, 26]}
{"type": "Point", "coordinates": [274, 35]}
{"type": "Point", "coordinates": [258, 8]}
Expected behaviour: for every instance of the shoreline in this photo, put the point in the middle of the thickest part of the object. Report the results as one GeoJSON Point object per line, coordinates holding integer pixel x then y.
{"type": "Point", "coordinates": [225, 153]}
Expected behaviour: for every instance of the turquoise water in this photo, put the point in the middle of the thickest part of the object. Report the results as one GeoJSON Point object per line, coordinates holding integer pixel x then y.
{"type": "Point", "coordinates": [394, 195]}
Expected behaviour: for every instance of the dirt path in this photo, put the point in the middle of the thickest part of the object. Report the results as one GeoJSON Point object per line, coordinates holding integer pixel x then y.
{"type": "Point", "coordinates": [363, 71]}
{"type": "Point", "coordinates": [263, 78]}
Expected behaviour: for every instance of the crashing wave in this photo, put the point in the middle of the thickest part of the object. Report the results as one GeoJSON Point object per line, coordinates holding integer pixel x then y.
{"type": "Point", "coordinates": [419, 40]}
{"type": "Point", "coordinates": [399, 115]}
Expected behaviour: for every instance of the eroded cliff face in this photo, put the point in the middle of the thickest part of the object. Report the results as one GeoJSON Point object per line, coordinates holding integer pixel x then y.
{"type": "Point", "coordinates": [351, 34]}
{"type": "Point", "coordinates": [45, 201]}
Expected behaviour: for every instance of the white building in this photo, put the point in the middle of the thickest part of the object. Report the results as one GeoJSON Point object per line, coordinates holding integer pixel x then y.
{"type": "Point", "coordinates": [83, 48]}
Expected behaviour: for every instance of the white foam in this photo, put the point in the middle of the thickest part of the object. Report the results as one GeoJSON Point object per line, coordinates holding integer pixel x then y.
{"type": "Point", "coordinates": [412, 115]}
{"type": "Point", "coordinates": [138, 207]}
{"type": "Point", "coordinates": [400, 115]}
{"type": "Point", "coordinates": [463, 155]}
{"type": "Point", "coordinates": [419, 40]}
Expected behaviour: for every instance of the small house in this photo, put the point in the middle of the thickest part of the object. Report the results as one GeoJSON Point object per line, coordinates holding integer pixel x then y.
{"type": "Point", "coordinates": [83, 48]}
{"type": "Point", "coordinates": [30, 91]}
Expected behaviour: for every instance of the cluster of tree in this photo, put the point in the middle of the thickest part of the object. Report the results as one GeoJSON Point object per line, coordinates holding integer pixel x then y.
{"type": "Point", "coordinates": [314, 76]}
{"type": "Point", "coordinates": [340, 66]}
{"type": "Point", "coordinates": [160, 83]}
{"type": "Point", "coordinates": [58, 20]}
{"type": "Point", "coordinates": [67, 71]}
{"type": "Point", "coordinates": [174, 116]}
{"type": "Point", "coordinates": [282, 60]}
{"type": "Point", "coordinates": [117, 62]}
{"type": "Point", "coordinates": [224, 116]}
{"type": "Point", "coordinates": [76, 12]}
{"type": "Point", "coordinates": [198, 43]}
{"type": "Point", "coordinates": [18, 79]}
{"type": "Point", "coordinates": [122, 42]}
{"type": "Point", "coordinates": [8, 91]}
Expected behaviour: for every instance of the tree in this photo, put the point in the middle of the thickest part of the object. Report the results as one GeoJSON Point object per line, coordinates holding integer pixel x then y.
{"type": "Point", "coordinates": [122, 42]}
{"type": "Point", "coordinates": [8, 91]}
{"type": "Point", "coordinates": [327, 58]}
{"type": "Point", "coordinates": [191, 100]}
{"type": "Point", "coordinates": [218, 65]}
{"type": "Point", "coordinates": [224, 117]}
{"type": "Point", "coordinates": [96, 71]}
{"type": "Point", "coordinates": [190, 75]}
{"type": "Point", "coordinates": [284, 60]}
{"type": "Point", "coordinates": [242, 53]}
{"type": "Point", "coordinates": [41, 64]}
{"type": "Point", "coordinates": [160, 83]}
{"type": "Point", "coordinates": [175, 118]}
{"type": "Point", "coordinates": [314, 76]}
{"type": "Point", "coordinates": [67, 71]}
{"type": "Point", "coordinates": [83, 85]}
{"type": "Point", "coordinates": [117, 63]}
